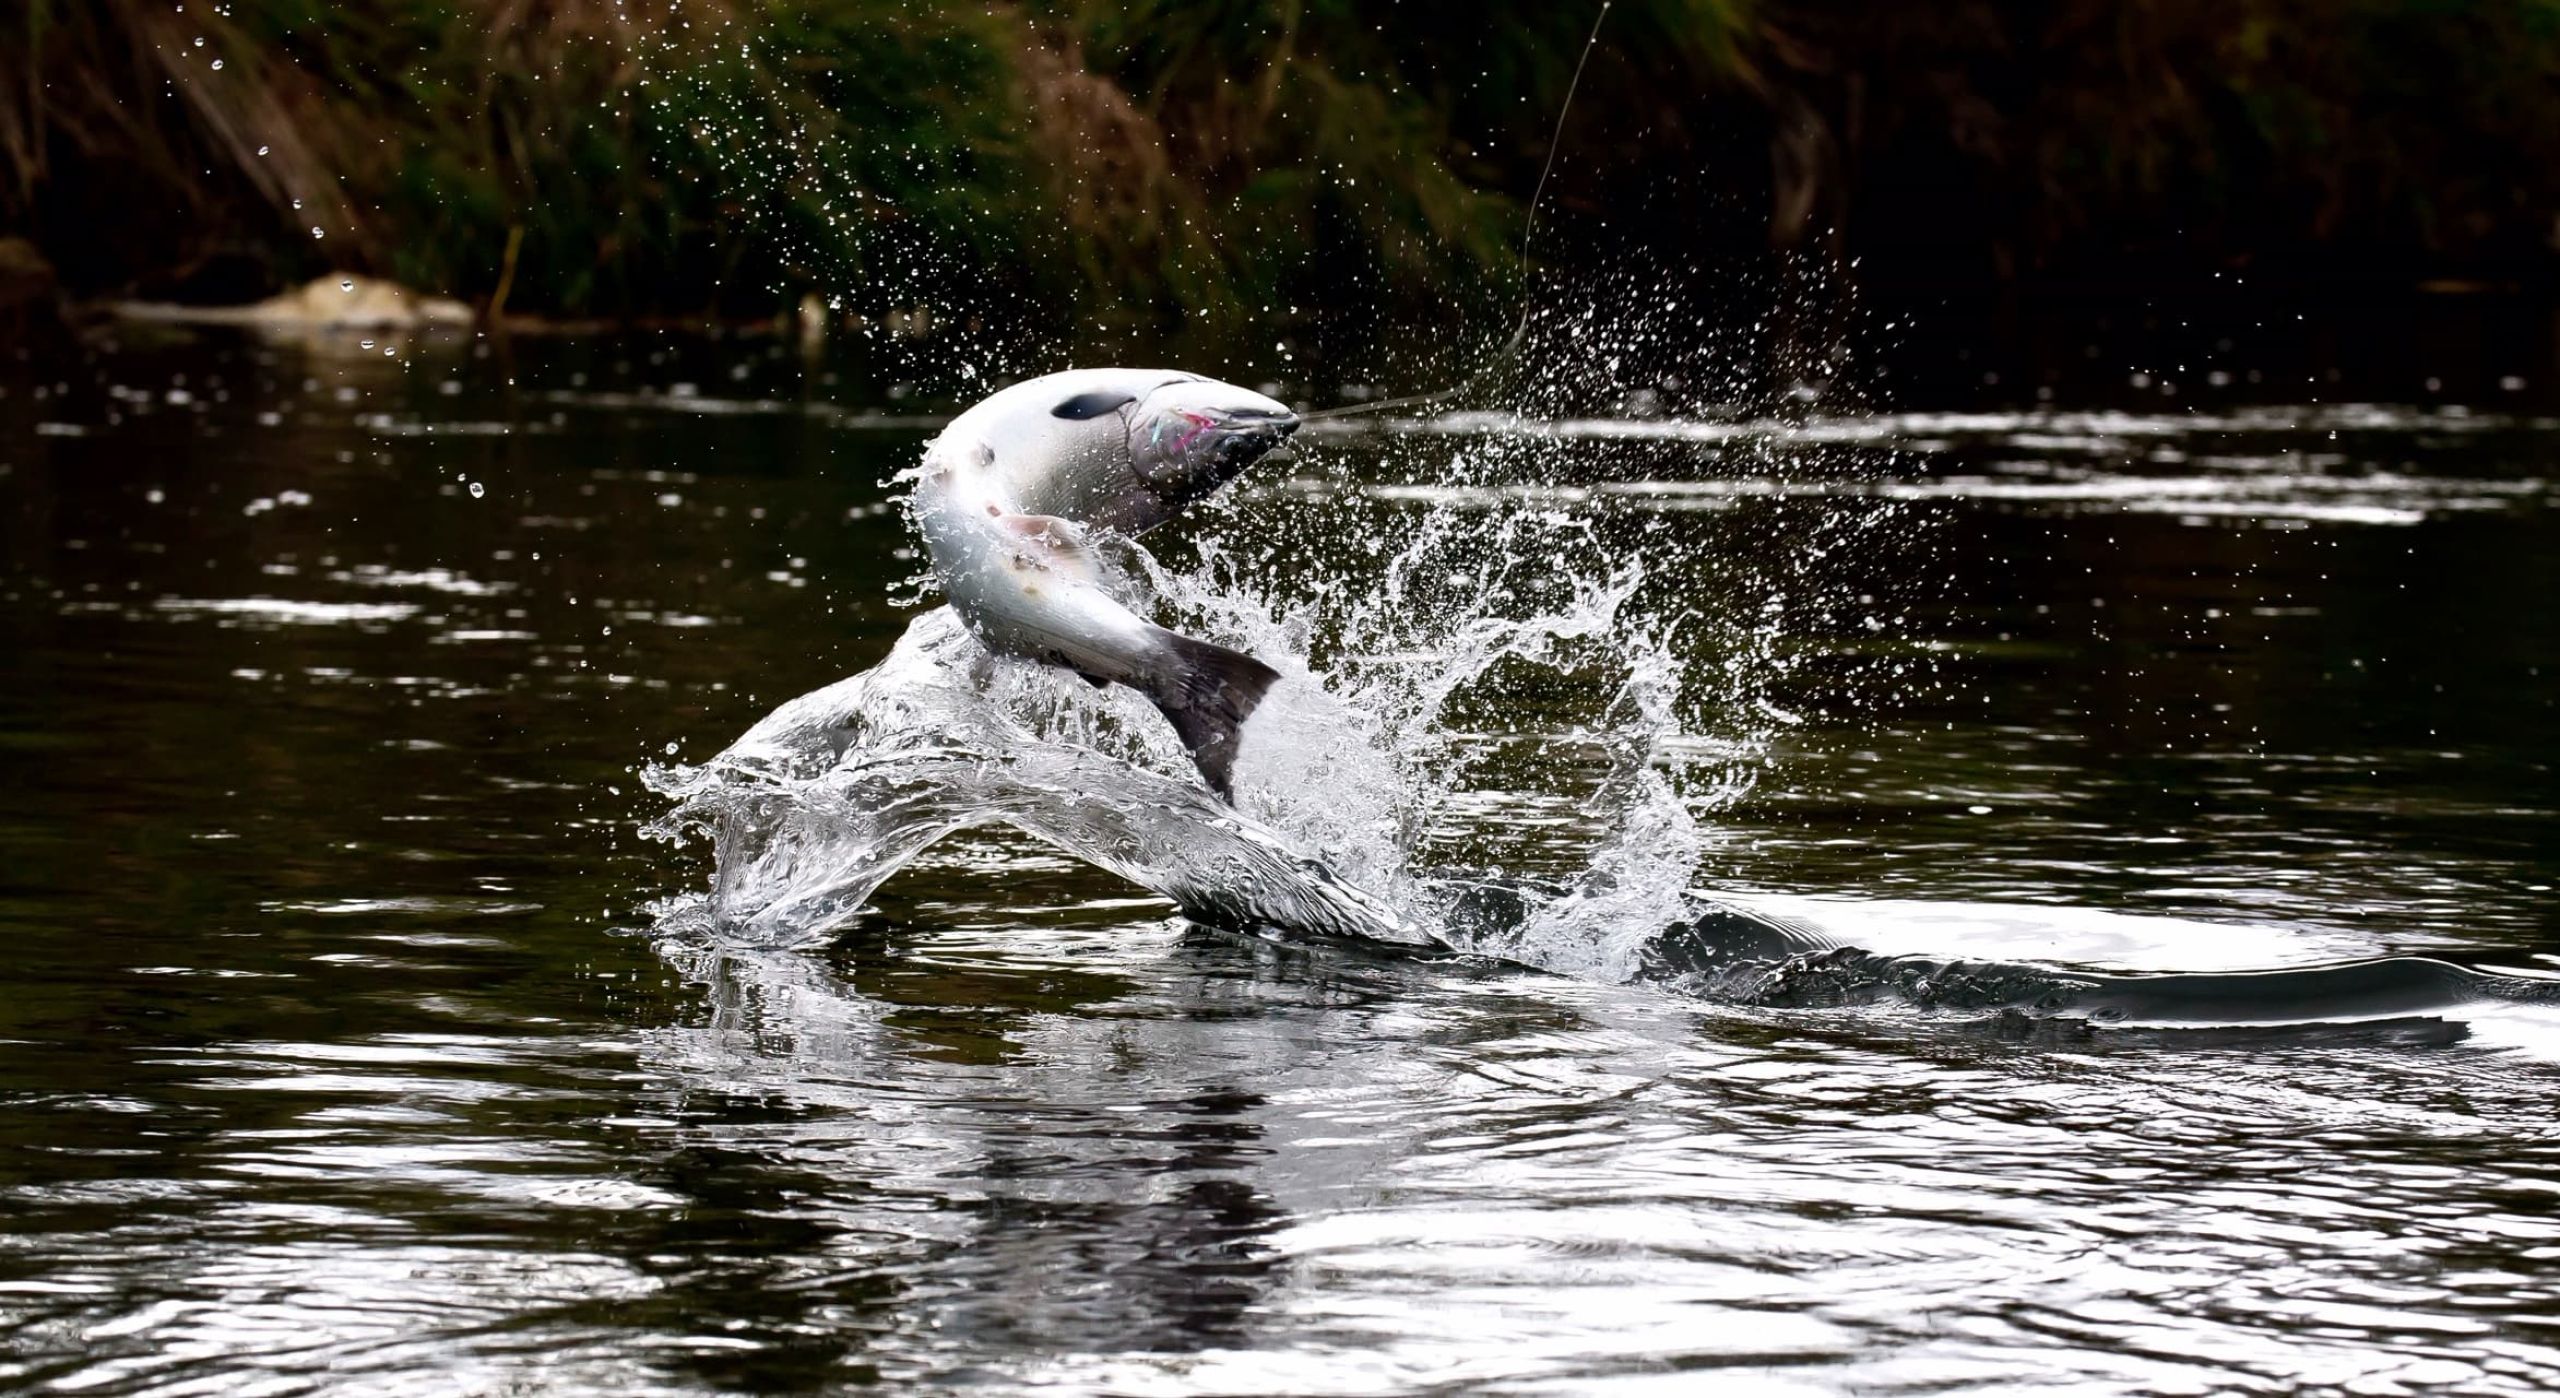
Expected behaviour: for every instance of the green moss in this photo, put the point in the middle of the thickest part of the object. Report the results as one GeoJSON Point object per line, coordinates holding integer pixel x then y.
{"type": "Point", "coordinates": [1211, 162]}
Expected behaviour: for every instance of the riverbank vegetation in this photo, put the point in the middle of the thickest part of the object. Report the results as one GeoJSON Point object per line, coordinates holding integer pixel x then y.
{"type": "Point", "coordinates": [1049, 161]}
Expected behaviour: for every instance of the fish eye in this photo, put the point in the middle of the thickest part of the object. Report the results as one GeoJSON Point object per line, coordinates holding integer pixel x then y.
{"type": "Point", "coordinates": [1085, 406]}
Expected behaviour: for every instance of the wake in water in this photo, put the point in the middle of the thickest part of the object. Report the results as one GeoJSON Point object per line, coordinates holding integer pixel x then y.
{"type": "Point", "coordinates": [1486, 738]}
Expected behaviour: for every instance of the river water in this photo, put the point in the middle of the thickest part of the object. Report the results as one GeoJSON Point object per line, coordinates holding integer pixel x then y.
{"type": "Point", "coordinates": [351, 1046]}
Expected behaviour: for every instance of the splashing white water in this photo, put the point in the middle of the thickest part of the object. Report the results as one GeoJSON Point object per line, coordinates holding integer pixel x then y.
{"type": "Point", "coordinates": [1463, 692]}
{"type": "Point", "coordinates": [836, 790]}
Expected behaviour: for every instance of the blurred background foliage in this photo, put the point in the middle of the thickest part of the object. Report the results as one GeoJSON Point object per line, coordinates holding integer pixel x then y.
{"type": "Point", "coordinates": [1172, 161]}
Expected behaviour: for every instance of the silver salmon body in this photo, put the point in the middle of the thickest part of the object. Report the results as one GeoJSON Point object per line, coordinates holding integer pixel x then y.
{"type": "Point", "coordinates": [1010, 496]}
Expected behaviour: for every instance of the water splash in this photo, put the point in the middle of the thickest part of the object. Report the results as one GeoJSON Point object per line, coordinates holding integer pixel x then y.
{"type": "Point", "coordinates": [835, 791]}
{"type": "Point", "coordinates": [1528, 689]}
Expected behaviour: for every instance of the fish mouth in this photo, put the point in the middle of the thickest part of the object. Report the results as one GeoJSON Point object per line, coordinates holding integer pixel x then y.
{"type": "Point", "coordinates": [1246, 435]}
{"type": "Point", "coordinates": [1183, 451]}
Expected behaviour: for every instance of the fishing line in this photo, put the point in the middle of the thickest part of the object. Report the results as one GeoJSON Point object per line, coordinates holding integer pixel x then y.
{"type": "Point", "coordinates": [1528, 278]}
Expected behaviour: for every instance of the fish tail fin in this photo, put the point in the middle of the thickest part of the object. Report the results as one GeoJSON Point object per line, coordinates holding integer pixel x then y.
{"type": "Point", "coordinates": [1208, 691]}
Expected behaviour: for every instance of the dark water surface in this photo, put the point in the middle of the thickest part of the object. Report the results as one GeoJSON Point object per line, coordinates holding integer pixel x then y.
{"type": "Point", "coordinates": [332, 1062]}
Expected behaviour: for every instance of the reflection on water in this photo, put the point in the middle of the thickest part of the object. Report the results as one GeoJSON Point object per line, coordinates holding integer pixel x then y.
{"type": "Point", "coordinates": [325, 1066]}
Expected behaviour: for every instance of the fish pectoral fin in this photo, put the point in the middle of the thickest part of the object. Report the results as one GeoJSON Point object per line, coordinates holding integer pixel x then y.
{"type": "Point", "coordinates": [1050, 538]}
{"type": "Point", "coordinates": [1207, 693]}
{"type": "Point", "coordinates": [1054, 529]}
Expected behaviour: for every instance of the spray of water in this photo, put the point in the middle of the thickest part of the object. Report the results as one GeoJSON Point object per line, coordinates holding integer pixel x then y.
{"type": "Point", "coordinates": [1491, 679]}
{"type": "Point", "coordinates": [1488, 682]}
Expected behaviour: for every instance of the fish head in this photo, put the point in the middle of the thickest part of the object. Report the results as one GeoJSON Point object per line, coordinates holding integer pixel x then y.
{"type": "Point", "coordinates": [1190, 436]}
{"type": "Point", "coordinates": [1119, 449]}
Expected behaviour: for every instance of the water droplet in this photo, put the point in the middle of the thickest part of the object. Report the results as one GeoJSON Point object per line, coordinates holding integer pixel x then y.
{"type": "Point", "coordinates": [346, 283]}
{"type": "Point", "coordinates": [262, 150]}
{"type": "Point", "coordinates": [671, 749]}
{"type": "Point", "coordinates": [478, 490]}
{"type": "Point", "coordinates": [217, 65]}
{"type": "Point", "coordinates": [315, 230]}
{"type": "Point", "coordinates": [364, 344]}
